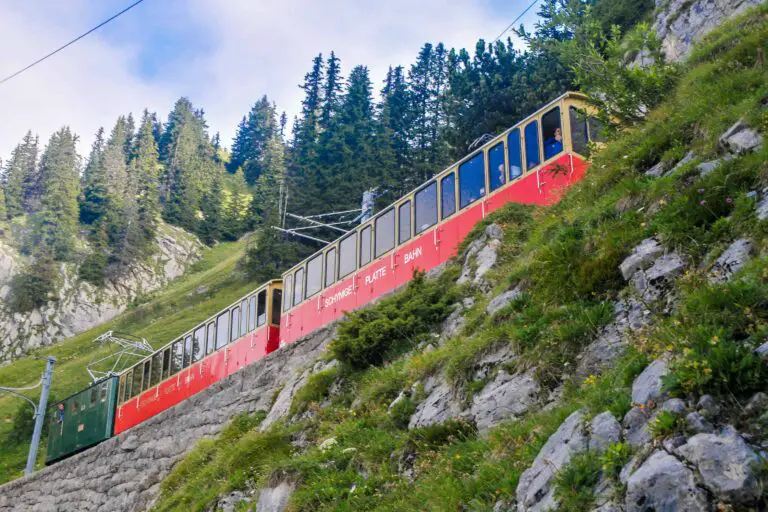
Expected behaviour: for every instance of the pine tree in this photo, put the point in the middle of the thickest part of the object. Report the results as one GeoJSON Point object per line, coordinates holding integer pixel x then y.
{"type": "Point", "coordinates": [130, 130]}
{"type": "Point", "coordinates": [22, 163]}
{"type": "Point", "coordinates": [235, 212]}
{"type": "Point", "coordinates": [94, 195]}
{"type": "Point", "coordinates": [210, 224]}
{"type": "Point", "coordinates": [145, 168]}
{"type": "Point", "coordinates": [3, 211]}
{"type": "Point", "coordinates": [251, 138]}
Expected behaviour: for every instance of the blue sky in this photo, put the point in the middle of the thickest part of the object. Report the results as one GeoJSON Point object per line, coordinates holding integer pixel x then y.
{"type": "Point", "coordinates": [222, 54]}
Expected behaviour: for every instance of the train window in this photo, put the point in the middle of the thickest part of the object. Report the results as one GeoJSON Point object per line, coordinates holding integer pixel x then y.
{"type": "Point", "coordinates": [198, 344]}
{"type": "Point", "coordinates": [298, 286]}
{"type": "Point", "coordinates": [262, 308]}
{"type": "Point", "coordinates": [128, 385]}
{"type": "Point", "coordinates": [552, 133]}
{"type": "Point", "coordinates": [74, 407]}
{"type": "Point", "coordinates": [103, 393]}
{"type": "Point", "coordinates": [448, 195]}
{"type": "Point", "coordinates": [496, 166]}
{"type": "Point", "coordinates": [252, 313]}
{"type": "Point", "coordinates": [472, 180]}
{"type": "Point", "coordinates": [330, 267]}
{"type": "Point", "coordinates": [365, 245]}
{"type": "Point", "coordinates": [277, 296]}
{"type": "Point", "coordinates": [515, 155]}
{"type": "Point", "coordinates": [234, 332]}
{"type": "Point", "coordinates": [404, 222]}
{"type": "Point", "coordinates": [288, 292]}
{"type": "Point", "coordinates": [121, 391]}
{"type": "Point", "coordinates": [187, 351]}
{"type": "Point", "coordinates": [94, 396]}
{"type": "Point", "coordinates": [595, 130]}
{"type": "Point", "coordinates": [579, 139]}
{"type": "Point", "coordinates": [157, 369]}
{"type": "Point", "coordinates": [243, 317]}
{"type": "Point", "coordinates": [177, 357]}
{"type": "Point", "coordinates": [136, 383]}
{"type": "Point", "coordinates": [145, 375]}
{"type": "Point", "coordinates": [222, 329]}
{"type": "Point", "coordinates": [166, 363]}
{"type": "Point", "coordinates": [210, 342]}
{"type": "Point", "coordinates": [425, 205]}
{"type": "Point", "coordinates": [347, 251]}
{"type": "Point", "coordinates": [385, 232]}
{"type": "Point", "coordinates": [314, 275]}
{"type": "Point", "coordinates": [532, 158]}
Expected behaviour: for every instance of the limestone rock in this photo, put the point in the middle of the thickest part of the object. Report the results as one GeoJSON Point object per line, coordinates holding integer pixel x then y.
{"type": "Point", "coordinates": [664, 483]}
{"type": "Point", "coordinates": [740, 138]}
{"type": "Point", "coordinates": [505, 397]}
{"type": "Point", "coordinates": [483, 367]}
{"type": "Point", "coordinates": [731, 261]}
{"type": "Point", "coordinates": [636, 427]}
{"type": "Point", "coordinates": [441, 404]}
{"type": "Point", "coordinates": [707, 406]}
{"type": "Point", "coordinates": [275, 499]}
{"type": "Point", "coordinates": [230, 502]}
{"type": "Point", "coordinates": [604, 431]}
{"type": "Point", "coordinates": [535, 491]}
{"type": "Point", "coordinates": [696, 423]}
{"type": "Point", "coordinates": [481, 256]}
{"type": "Point", "coordinates": [705, 168]}
{"type": "Point", "coordinates": [727, 465]}
{"type": "Point", "coordinates": [641, 258]}
{"type": "Point", "coordinates": [761, 208]}
{"type": "Point", "coordinates": [657, 170]}
{"type": "Point", "coordinates": [502, 300]}
{"type": "Point", "coordinates": [657, 280]}
{"type": "Point", "coordinates": [647, 385]}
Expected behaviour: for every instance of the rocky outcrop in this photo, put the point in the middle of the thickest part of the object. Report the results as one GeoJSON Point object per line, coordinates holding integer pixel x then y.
{"type": "Point", "coordinates": [664, 483]}
{"type": "Point", "coordinates": [124, 473]}
{"type": "Point", "coordinates": [680, 23]}
{"type": "Point", "coordinates": [80, 305]}
{"type": "Point", "coordinates": [481, 256]}
{"type": "Point", "coordinates": [731, 261]}
{"type": "Point", "coordinates": [506, 397]}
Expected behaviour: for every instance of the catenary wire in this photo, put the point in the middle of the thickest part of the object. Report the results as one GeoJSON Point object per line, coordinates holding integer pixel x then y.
{"type": "Point", "coordinates": [515, 21]}
{"type": "Point", "coordinates": [73, 41]}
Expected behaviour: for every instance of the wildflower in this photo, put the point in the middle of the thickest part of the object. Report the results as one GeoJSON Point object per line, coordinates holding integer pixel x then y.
{"type": "Point", "coordinates": [729, 200]}
{"type": "Point", "coordinates": [715, 339]}
{"type": "Point", "coordinates": [590, 381]}
{"type": "Point", "coordinates": [701, 191]}
{"type": "Point", "coordinates": [703, 202]}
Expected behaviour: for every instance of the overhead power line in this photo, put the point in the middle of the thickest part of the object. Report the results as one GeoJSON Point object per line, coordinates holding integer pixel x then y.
{"type": "Point", "coordinates": [73, 41]}
{"type": "Point", "coordinates": [515, 21]}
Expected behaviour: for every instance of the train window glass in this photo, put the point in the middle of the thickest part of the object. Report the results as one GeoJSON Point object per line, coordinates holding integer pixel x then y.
{"type": "Point", "coordinates": [74, 407]}
{"type": "Point", "coordinates": [222, 329]}
{"type": "Point", "coordinates": [288, 293]}
{"type": "Point", "coordinates": [595, 130]}
{"type": "Point", "coordinates": [298, 286]}
{"type": "Point", "coordinates": [426, 207]}
{"type": "Point", "coordinates": [177, 357]}
{"type": "Point", "coordinates": [385, 232]}
{"type": "Point", "coordinates": [127, 386]}
{"type": "Point", "coordinates": [497, 168]}
{"type": "Point", "coordinates": [94, 396]}
{"type": "Point", "coordinates": [198, 344]}
{"type": "Point", "coordinates": [330, 267]}
{"type": "Point", "coordinates": [472, 180]}
{"type": "Point", "coordinates": [532, 158]}
{"type": "Point", "coordinates": [277, 297]}
{"type": "Point", "coordinates": [166, 363]}
{"type": "Point", "coordinates": [145, 376]}
{"type": "Point", "coordinates": [243, 317]}
{"type": "Point", "coordinates": [448, 195]}
{"type": "Point", "coordinates": [157, 369]}
{"type": "Point", "coordinates": [579, 139]}
{"type": "Point", "coordinates": [103, 393]}
{"type": "Point", "coordinates": [210, 342]}
{"type": "Point", "coordinates": [121, 388]}
{"type": "Point", "coordinates": [136, 384]}
{"type": "Point", "coordinates": [515, 155]}
{"type": "Point", "coordinates": [252, 313]}
{"type": "Point", "coordinates": [234, 332]}
{"type": "Point", "coordinates": [365, 245]}
{"type": "Point", "coordinates": [552, 133]}
{"type": "Point", "coordinates": [262, 309]}
{"type": "Point", "coordinates": [187, 351]}
{"type": "Point", "coordinates": [314, 275]}
{"type": "Point", "coordinates": [347, 251]}
{"type": "Point", "coordinates": [404, 222]}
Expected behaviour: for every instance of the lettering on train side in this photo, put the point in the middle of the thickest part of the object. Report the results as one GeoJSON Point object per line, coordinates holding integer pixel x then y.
{"type": "Point", "coordinates": [412, 255]}
{"type": "Point", "coordinates": [378, 273]}
{"type": "Point", "coordinates": [336, 297]}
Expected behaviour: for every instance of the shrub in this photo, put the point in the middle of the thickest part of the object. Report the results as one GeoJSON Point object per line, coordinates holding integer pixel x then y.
{"type": "Point", "coordinates": [614, 458]}
{"type": "Point", "coordinates": [449, 431]}
{"type": "Point", "coordinates": [665, 424]}
{"type": "Point", "coordinates": [315, 390]}
{"type": "Point", "coordinates": [574, 484]}
{"type": "Point", "coordinates": [30, 290]}
{"type": "Point", "coordinates": [94, 268]}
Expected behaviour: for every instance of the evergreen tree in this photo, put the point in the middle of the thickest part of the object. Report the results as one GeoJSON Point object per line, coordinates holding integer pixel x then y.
{"type": "Point", "coordinates": [145, 169]}
{"type": "Point", "coordinates": [235, 212]}
{"type": "Point", "coordinates": [210, 224]}
{"type": "Point", "coordinates": [392, 150]}
{"type": "Point", "coordinates": [130, 130]}
{"type": "Point", "coordinates": [251, 138]}
{"type": "Point", "coordinates": [3, 211]}
{"type": "Point", "coordinates": [94, 196]}
{"type": "Point", "coordinates": [18, 169]}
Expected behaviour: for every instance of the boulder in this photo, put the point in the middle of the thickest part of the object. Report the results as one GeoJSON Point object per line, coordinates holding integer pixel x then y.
{"type": "Point", "coordinates": [761, 208]}
{"type": "Point", "coordinates": [647, 385]}
{"type": "Point", "coordinates": [707, 406]}
{"type": "Point", "coordinates": [275, 499]}
{"type": "Point", "coordinates": [641, 258]}
{"type": "Point", "coordinates": [505, 397]}
{"type": "Point", "coordinates": [604, 431]}
{"type": "Point", "coordinates": [636, 427]}
{"type": "Point", "coordinates": [441, 404]}
{"type": "Point", "coordinates": [230, 502]}
{"type": "Point", "coordinates": [502, 300]}
{"type": "Point", "coordinates": [664, 483]}
{"type": "Point", "coordinates": [481, 256]}
{"type": "Point", "coordinates": [653, 283]}
{"type": "Point", "coordinates": [705, 168]}
{"type": "Point", "coordinates": [727, 465]}
{"type": "Point", "coordinates": [601, 353]}
{"type": "Point", "coordinates": [535, 491]}
{"type": "Point", "coordinates": [696, 423]}
{"type": "Point", "coordinates": [501, 353]}
{"type": "Point", "coordinates": [456, 320]}
{"type": "Point", "coordinates": [657, 170]}
{"type": "Point", "coordinates": [740, 138]}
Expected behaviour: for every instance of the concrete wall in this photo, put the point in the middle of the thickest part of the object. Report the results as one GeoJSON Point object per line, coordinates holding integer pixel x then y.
{"type": "Point", "coordinates": [124, 473]}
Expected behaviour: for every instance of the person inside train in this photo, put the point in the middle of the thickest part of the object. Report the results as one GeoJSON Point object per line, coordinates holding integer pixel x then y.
{"type": "Point", "coordinates": [61, 413]}
{"type": "Point", "coordinates": [554, 144]}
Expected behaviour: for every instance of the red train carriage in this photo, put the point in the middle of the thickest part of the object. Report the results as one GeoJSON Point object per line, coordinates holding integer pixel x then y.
{"type": "Point", "coordinates": [532, 162]}
{"type": "Point", "coordinates": [241, 334]}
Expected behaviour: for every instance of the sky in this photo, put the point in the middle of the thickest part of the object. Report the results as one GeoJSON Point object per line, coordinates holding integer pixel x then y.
{"type": "Point", "coordinates": [222, 54]}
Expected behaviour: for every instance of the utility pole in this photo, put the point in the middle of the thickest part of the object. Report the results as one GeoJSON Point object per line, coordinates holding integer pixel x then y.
{"type": "Point", "coordinates": [40, 415]}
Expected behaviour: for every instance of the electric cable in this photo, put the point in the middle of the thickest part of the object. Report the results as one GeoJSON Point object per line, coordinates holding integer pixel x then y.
{"type": "Point", "coordinates": [511, 24]}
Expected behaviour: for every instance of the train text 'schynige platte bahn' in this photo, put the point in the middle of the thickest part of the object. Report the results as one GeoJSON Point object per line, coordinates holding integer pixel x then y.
{"type": "Point", "coordinates": [533, 163]}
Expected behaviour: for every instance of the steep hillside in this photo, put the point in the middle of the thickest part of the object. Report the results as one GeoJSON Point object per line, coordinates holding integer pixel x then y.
{"type": "Point", "coordinates": [213, 283]}
{"type": "Point", "coordinates": [611, 358]}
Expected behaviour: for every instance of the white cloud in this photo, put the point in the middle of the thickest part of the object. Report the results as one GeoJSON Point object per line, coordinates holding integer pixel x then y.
{"type": "Point", "coordinates": [255, 48]}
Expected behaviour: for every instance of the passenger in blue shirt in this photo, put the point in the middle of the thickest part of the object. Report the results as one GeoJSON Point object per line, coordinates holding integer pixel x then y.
{"type": "Point", "coordinates": [553, 145]}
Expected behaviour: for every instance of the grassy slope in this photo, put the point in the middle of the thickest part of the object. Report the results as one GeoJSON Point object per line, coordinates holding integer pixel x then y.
{"type": "Point", "coordinates": [568, 256]}
{"type": "Point", "coordinates": [159, 318]}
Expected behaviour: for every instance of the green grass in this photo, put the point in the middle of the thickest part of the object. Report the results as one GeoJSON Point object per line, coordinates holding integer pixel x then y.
{"type": "Point", "coordinates": [158, 318]}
